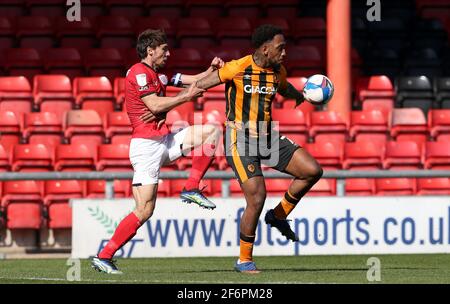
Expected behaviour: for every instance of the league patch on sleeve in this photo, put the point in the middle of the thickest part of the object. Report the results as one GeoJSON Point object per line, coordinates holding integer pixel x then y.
{"type": "Point", "coordinates": [141, 80]}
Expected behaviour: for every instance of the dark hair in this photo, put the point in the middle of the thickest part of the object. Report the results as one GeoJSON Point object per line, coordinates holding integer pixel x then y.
{"type": "Point", "coordinates": [149, 38]}
{"type": "Point", "coordinates": [264, 33]}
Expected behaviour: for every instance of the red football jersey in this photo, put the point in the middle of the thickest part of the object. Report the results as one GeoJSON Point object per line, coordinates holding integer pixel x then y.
{"type": "Point", "coordinates": [142, 80]}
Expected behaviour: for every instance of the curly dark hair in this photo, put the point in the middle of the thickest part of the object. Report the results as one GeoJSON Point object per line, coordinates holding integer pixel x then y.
{"type": "Point", "coordinates": [149, 38]}
{"type": "Point", "coordinates": [264, 33]}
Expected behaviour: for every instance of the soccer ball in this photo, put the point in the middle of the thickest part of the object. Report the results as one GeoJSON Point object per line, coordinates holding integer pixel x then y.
{"type": "Point", "coordinates": [318, 89]}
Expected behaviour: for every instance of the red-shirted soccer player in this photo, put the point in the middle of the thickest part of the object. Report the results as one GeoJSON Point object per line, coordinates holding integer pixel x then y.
{"type": "Point", "coordinates": [152, 145]}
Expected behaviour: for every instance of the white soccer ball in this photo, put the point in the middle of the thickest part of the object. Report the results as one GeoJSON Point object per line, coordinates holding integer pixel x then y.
{"type": "Point", "coordinates": [318, 89]}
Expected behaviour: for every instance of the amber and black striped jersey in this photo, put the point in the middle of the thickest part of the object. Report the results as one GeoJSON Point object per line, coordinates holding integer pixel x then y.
{"type": "Point", "coordinates": [249, 92]}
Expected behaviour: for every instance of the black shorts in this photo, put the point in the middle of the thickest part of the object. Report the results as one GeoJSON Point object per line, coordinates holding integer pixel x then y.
{"type": "Point", "coordinates": [245, 154]}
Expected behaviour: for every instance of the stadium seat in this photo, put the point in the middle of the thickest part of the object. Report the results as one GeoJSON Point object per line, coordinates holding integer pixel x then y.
{"type": "Point", "coordinates": [328, 154]}
{"type": "Point", "coordinates": [159, 22]}
{"type": "Point", "coordinates": [53, 93]}
{"type": "Point", "coordinates": [175, 121]}
{"type": "Point", "coordinates": [94, 93]}
{"type": "Point", "coordinates": [171, 9]}
{"type": "Point", "coordinates": [379, 87]}
{"type": "Point", "coordinates": [163, 187]}
{"type": "Point", "coordinates": [50, 8]}
{"type": "Point", "coordinates": [83, 126]}
{"type": "Point", "coordinates": [424, 62]}
{"type": "Point", "coordinates": [32, 158]}
{"type": "Point", "coordinates": [368, 122]}
{"type": "Point", "coordinates": [119, 92]}
{"type": "Point", "coordinates": [12, 8]}
{"type": "Point", "coordinates": [327, 123]}
{"type": "Point", "coordinates": [402, 155]}
{"type": "Point", "coordinates": [117, 124]}
{"type": "Point", "coordinates": [22, 62]}
{"type": "Point", "coordinates": [277, 186]}
{"type": "Point", "coordinates": [324, 187]}
{"type": "Point", "coordinates": [395, 186]}
{"type": "Point", "coordinates": [359, 187]}
{"type": "Point", "coordinates": [439, 123]}
{"type": "Point", "coordinates": [437, 156]}
{"type": "Point", "coordinates": [35, 31]}
{"type": "Point", "coordinates": [290, 121]}
{"type": "Point", "coordinates": [113, 158]}
{"type": "Point", "coordinates": [226, 52]}
{"type": "Point", "coordinates": [384, 105]}
{"type": "Point", "coordinates": [249, 8]}
{"type": "Point", "coordinates": [75, 157]}
{"type": "Point", "coordinates": [115, 32]}
{"type": "Point", "coordinates": [4, 161]}
{"type": "Point", "coordinates": [57, 194]}
{"type": "Point", "coordinates": [282, 8]}
{"type": "Point", "coordinates": [363, 155]}
{"type": "Point", "coordinates": [66, 61]}
{"type": "Point", "coordinates": [9, 130]}
{"type": "Point", "coordinates": [96, 188]}
{"type": "Point", "coordinates": [409, 124]}
{"type": "Point", "coordinates": [200, 8]}
{"type": "Point", "coordinates": [15, 95]}
{"type": "Point", "coordinates": [216, 93]}
{"type": "Point", "coordinates": [7, 33]}
{"type": "Point", "coordinates": [107, 62]}
{"type": "Point", "coordinates": [442, 91]}
{"type": "Point", "coordinates": [304, 61]}
{"type": "Point", "coordinates": [42, 127]}
{"type": "Point", "coordinates": [433, 186]}
{"type": "Point", "coordinates": [313, 31]}
{"type": "Point", "coordinates": [22, 201]}
{"type": "Point", "coordinates": [79, 35]}
{"type": "Point", "coordinates": [186, 60]}
{"type": "Point", "coordinates": [234, 31]}
{"type": "Point", "coordinates": [133, 8]}
{"type": "Point", "coordinates": [218, 105]}
{"type": "Point", "coordinates": [414, 91]}
{"type": "Point", "coordinates": [195, 32]}
{"type": "Point", "coordinates": [280, 22]}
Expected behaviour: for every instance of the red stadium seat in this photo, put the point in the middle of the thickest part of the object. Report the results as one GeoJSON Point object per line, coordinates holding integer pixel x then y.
{"type": "Point", "coordinates": [290, 121]}
{"type": "Point", "coordinates": [277, 186]}
{"type": "Point", "coordinates": [363, 156]}
{"type": "Point", "coordinates": [313, 31]}
{"type": "Point", "coordinates": [200, 8]}
{"type": "Point", "coordinates": [79, 35]}
{"type": "Point", "coordinates": [324, 187]}
{"type": "Point", "coordinates": [56, 201]}
{"type": "Point", "coordinates": [9, 130]}
{"type": "Point", "coordinates": [171, 9]}
{"type": "Point", "coordinates": [439, 123]}
{"type": "Point", "coordinates": [409, 124]}
{"type": "Point", "coordinates": [117, 124]}
{"type": "Point", "coordinates": [15, 95]}
{"type": "Point", "coordinates": [4, 160]}
{"type": "Point", "coordinates": [22, 62]}
{"type": "Point", "coordinates": [74, 158]}
{"type": "Point", "coordinates": [281, 8]}
{"type": "Point", "coordinates": [115, 32]}
{"type": "Point", "coordinates": [219, 105]}
{"type": "Point", "coordinates": [226, 52]}
{"type": "Point", "coordinates": [106, 62]}
{"type": "Point", "coordinates": [50, 8]}
{"type": "Point", "coordinates": [249, 8]}
{"type": "Point", "coordinates": [22, 201]}
{"type": "Point", "coordinates": [374, 87]}
{"type": "Point", "coordinates": [35, 31]}
{"type": "Point", "coordinates": [163, 187]}
{"type": "Point", "coordinates": [53, 93]}
{"type": "Point", "coordinates": [328, 154]}
{"type": "Point", "coordinates": [280, 22]}
{"type": "Point", "coordinates": [83, 126]}
{"type": "Point", "coordinates": [384, 105]}
{"type": "Point", "coordinates": [216, 93]}
{"type": "Point", "coordinates": [195, 32]}
{"type": "Point", "coordinates": [12, 8]}
{"type": "Point", "coordinates": [327, 123]}
{"type": "Point", "coordinates": [7, 33]}
{"type": "Point", "coordinates": [66, 61]}
{"type": "Point", "coordinates": [42, 127]}
{"type": "Point", "coordinates": [186, 60]}
{"type": "Point", "coordinates": [235, 31]}
{"type": "Point", "coordinates": [119, 91]}
{"type": "Point", "coordinates": [175, 121]}
{"type": "Point", "coordinates": [372, 122]}
{"type": "Point", "coordinates": [94, 93]}
{"type": "Point", "coordinates": [157, 22]}
{"type": "Point", "coordinates": [395, 186]}
{"type": "Point", "coordinates": [129, 8]}
{"type": "Point", "coordinates": [304, 61]}
{"type": "Point", "coordinates": [113, 158]}
{"type": "Point", "coordinates": [96, 188]}
{"type": "Point", "coordinates": [359, 187]}
{"type": "Point", "coordinates": [402, 155]}
{"type": "Point", "coordinates": [437, 156]}
{"type": "Point", "coordinates": [433, 186]}
{"type": "Point", "coordinates": [32, 158]}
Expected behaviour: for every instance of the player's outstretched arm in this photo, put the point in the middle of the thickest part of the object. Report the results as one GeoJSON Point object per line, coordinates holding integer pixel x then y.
{"type": "Point", "coordinates": [216, 64]}
{"type": "Point", "coordinates": [209, 81]}
{"type": "Point", "coordinates": [293, 93]}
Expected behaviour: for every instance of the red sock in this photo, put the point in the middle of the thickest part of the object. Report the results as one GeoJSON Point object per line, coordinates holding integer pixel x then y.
{"type": "Point", "coordinates": [200, 163]}
{"type": "Point", "coordinates": [124, 232]}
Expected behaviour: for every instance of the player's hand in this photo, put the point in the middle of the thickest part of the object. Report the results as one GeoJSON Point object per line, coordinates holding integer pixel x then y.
{"type": "Point", "coordinates": [148, 116]}
{"type": "Point", "coordinates": [217, 63]}
{"type": "Point", "coordinates": [193, 91]}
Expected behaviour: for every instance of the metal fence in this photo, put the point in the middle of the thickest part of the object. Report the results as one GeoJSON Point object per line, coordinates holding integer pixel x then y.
{"type": "Point", "coordinates": [109, 177]}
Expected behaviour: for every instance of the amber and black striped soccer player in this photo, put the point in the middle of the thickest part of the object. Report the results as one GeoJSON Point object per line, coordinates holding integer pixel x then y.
{"type": "Point", "coordinates": [251, 85]}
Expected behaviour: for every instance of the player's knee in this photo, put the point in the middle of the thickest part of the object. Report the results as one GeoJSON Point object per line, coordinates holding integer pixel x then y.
{"type": "Point", "coordinates": [314, 173]}
{"type": "Point", "coordinates": [258, 198]}
{"type": "Point", "coordinates": [144, 211]}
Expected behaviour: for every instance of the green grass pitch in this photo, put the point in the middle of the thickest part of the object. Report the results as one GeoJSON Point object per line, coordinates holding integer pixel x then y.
{"type": "Point", "coordinates": [424, 268]}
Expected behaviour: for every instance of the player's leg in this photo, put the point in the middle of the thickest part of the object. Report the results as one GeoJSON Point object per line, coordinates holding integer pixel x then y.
{"type": "Point", "coordinates": [203, 140]}
{"type": "Point", "coordinates": [299, 163]}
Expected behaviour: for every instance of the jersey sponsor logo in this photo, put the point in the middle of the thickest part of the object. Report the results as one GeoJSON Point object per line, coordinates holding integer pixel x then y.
{"type": "Point", "coordinates": [141, 79]}
{"type": "Point", "coordinates": [260, 90]}
{"type": "Point", "coordinates": [143, 88]}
